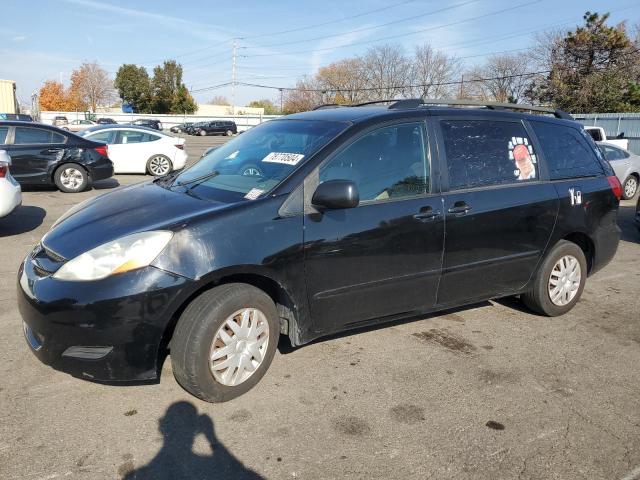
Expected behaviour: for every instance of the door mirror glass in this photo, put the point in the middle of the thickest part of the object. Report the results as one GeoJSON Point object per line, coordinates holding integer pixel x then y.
{"type": "Point", "coordinates": [336, 194]}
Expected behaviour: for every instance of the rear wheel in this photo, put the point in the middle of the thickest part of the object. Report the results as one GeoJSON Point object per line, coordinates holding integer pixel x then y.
{"type": "Point", "coordinates": [229, 133]}
{"type": "Point", "coordinates": [559, 282]}
{"type": "Point", "coordinates": [224, 342]}
{"type": "Point", "coordinates": [71, 178]}
{"type": "Point", "coordinates": [159, 165]}
{"type": "Point", "coordinates": [630, 187]}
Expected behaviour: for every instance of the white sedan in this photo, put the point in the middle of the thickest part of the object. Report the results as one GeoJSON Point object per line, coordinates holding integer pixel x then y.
{"type": "Point", "coordinates": [78, 125]}
{"type": "Point", "coordinates": [10, 193]}
{"type": "Point", "coordinates": [139, 149]}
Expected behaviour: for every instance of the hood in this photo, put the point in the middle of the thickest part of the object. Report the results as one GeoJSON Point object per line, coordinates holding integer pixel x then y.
{"type": "Point", "coordinates": [136, 208]}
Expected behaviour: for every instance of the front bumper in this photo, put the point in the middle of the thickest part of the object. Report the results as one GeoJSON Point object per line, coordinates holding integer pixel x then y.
{"type": "Point", "coordinates": [109, 330]}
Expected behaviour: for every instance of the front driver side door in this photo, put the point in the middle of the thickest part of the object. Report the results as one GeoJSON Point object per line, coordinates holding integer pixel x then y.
{"type": "Point", "coordinates": [382, 258]}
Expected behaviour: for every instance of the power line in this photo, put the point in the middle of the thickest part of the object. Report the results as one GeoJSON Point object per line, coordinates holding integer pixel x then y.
{"type": "Point", "coordinates": [307, 27]}
{"type": "Point", "coordinates": [373, 27]}
{"type": "Point", "coordinates": [496, 12]}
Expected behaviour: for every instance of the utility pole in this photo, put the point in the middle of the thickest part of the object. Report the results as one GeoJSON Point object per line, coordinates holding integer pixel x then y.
{"type": "Point", "coordinates": [233, 79]}
{"type": "Point", "coordinates": [281, 101]}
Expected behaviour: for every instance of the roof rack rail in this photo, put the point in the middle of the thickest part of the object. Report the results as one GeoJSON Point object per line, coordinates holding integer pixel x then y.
{"type": "Point", "coordinates": [374, 102]}
{"type": "Point", "coordinates": [416, 102]}
{"type": "Point", "coordinates": [329, 105]}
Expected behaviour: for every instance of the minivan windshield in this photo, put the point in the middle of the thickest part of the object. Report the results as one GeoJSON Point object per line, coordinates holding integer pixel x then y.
{"type": "Point", "coordinates": [256, 161]}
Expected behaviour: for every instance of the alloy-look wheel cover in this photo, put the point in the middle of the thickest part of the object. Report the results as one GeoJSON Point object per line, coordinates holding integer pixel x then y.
{"type": "Point", "coordinates": [71, 178]}
{"type": "Point", "coordinates": [564, 280]}
{"type": "Point", "coordinates": [159, 166]}
{"type": "Point", "coordinates": [239, 347]}
{"type": "Point", "coordinates": [630, 187]}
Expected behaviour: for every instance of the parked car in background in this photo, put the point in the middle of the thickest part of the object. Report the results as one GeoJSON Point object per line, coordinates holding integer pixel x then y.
{"type": "Point", "coordinates": [148, 122]}
{"type": "Point", "coordinates": [10, 193]}
{"type": "Point", "coordinates": [22, 117]}
{"type": "Point", "coordinates": [140, 149]}
{"type": "Point", "coordinates": [181, 128]}
{"type": "Point", "coordinates": [106, 121]}
{"type": "Point", "coordinates": [46, 155]}
{"type": "Point", "coordinates": [598, 134]}
{"type": "Point", "coordinates": [625, 164]}
{"type": "Point", "coordinates": [191, 128]}
{"type": "Point", "coordinates": [217, 127]}
{"type": "Point", "coordinates": [59, 120]}
{"type": "Point", "coordinates": [361, 215]}
{"type": "Point", "coordinates": [637, 219]}
{"type": "Point", "coordinates": [77, 125]}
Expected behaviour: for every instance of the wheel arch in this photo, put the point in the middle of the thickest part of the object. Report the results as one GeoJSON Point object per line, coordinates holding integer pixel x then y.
{"type": "Point", "coordinates": [586, 245]}
{"type": "Point", "coordinates": [285, 305]}
{"type": "Point", "coordinates": [56, 166]}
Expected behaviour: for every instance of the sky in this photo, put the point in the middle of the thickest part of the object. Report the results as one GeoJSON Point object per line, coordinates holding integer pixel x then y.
{"type": "Point", "coordinates": [277, 41]}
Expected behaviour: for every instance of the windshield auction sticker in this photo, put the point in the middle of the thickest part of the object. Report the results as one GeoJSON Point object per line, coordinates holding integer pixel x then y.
{"type": "Point", "coordinates": [282, 157]}
{"type": "Point", "coordinates": [253, 194]}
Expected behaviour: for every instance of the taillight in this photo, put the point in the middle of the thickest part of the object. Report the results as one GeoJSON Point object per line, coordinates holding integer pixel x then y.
{"type": "Point", "coordinates": [102, 150]}
{"type": "Point", "coordinates": [616, 188]}
{"type": "Point", "coordinates": [181, 147]}
{"type": "Point", "coordinates": [4, 169]}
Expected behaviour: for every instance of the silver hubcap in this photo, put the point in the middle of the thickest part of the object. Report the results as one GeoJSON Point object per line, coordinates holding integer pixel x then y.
{"type": "Point", "coordinates": [239, 346]}
{"type": "Point", "coordinates": [564, 280]}
{"type": "Point", "coordinates": [71, 178]}
{"type": "Point", "coordinates": [159, 166]}
{"type": "Point", "coordinates": [630, 187]}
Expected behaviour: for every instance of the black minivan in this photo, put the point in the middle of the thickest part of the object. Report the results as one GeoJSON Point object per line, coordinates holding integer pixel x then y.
{"type": "Point", "coordinates": [360, 215]}
{"type": "Point", "coordinates": [218, 127]}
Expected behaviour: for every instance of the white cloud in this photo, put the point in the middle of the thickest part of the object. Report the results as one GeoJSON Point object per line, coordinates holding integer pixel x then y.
{"type": "Point", "coordinates": [18, 38]}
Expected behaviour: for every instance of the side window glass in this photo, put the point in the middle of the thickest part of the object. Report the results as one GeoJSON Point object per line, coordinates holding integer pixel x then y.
{"type": "Point", "coordinates": [487, 152]}
{"type": "Point", "coordinates": [4, 131]}
{"type": "Point", "coordinates": [130, 136]}
{"type": "Point", "coordinates": [58, 138]}
{"type": "Point", "coordinates": [148, 137]}
{"type": "Point", "coordinates": [566, 152]}
{"type": "Point", "coordinates": [106, 137]}
{"type": "Point", "coordinates": [27, 136]}
{"type": "Point", "coordinates": [387, 163]}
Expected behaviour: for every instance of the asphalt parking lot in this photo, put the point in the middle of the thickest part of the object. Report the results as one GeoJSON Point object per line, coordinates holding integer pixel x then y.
{"type": "Point", "coordinates": [484, 392]}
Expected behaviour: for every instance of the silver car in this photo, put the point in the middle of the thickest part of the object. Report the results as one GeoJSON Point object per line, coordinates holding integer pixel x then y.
{"type": "Point", "coordinates": [626, 165]}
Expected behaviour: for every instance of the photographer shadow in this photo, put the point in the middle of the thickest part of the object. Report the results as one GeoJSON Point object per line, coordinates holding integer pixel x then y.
{"type": "Point", "coordinates": [177, 460]}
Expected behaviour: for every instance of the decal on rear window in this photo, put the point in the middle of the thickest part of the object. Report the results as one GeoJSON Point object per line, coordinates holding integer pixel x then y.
{"type": "Point", "coordinates": [283, 157]}
{"type": "Point", "coordinates": [521, 152]}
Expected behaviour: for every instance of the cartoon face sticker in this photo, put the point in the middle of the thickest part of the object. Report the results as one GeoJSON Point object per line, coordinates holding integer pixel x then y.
{"type": "Point", "coordinates": [521, 152]}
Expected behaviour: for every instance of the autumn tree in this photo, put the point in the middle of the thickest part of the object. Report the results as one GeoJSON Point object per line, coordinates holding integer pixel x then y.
{"type": "Point", "coordinates": [306, 95]}
{"type": "Point", "coordinates": [595, 68]}
{"type": "Point", "coordinates": [387, 70]}
{"type": "Point", "coordinates": [502, 78]}
{"type": "Point", "coordinates": [219, 100]}
{"type": "Point", "coordinates": [91, 87]}
{"type": "Point", "coordinates": [268, 105]}
{"type": "Point", "coordinates": [344, 81]}
{"type": "Point", "coordinates": [433, 72]}
{"type": "Point", "coordinates": [53, 97]}
{"type": "Point", "coordinates": [134, 87]}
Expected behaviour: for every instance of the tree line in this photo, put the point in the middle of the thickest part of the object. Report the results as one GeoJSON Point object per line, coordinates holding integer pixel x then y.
{"type": "Point", "coordinates": [595, 68]}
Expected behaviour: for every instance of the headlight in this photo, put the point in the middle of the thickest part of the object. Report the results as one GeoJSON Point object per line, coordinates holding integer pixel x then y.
{"type": "Point", "coordinates": [119, 256]}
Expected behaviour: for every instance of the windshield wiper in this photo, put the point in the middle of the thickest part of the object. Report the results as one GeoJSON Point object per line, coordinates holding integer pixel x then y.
{"type": "Point", "coordinates": [199, 179]}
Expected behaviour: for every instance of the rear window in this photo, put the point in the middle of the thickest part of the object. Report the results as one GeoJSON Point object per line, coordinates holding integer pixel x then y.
{"type": "Point", "coordinates": [487, 152]}
{"type": "Point", "coordinates": [567, 153]}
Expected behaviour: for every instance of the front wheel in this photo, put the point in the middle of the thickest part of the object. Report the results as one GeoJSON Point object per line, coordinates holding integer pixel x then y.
{"type": "Point", "coordinates": [71, 178]}
{"type": "Point", "coordinates": [224, 342]}
{"type": "Point", "coordinates": [159, 165]}
{"type": "Point", "coordinates": [229, 133]}
{"type": "Point", "coordinates": [630, 187]}
{"type": "Point", "coordinates": [559, 282]}
{"type": "Point", "coordinates": [202, 133]}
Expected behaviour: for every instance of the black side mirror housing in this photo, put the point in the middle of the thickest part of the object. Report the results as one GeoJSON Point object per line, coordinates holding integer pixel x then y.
{"type": "Point", "coordinates": [336, 194]}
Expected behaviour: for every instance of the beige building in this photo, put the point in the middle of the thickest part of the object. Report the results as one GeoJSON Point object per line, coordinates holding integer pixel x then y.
{"type": "Point", "coordinates": [8, 101]}
{"type": "Point", "coordinates": [224, 110]}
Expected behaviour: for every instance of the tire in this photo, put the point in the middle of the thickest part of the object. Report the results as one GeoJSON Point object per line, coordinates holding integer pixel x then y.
{"type": "Point", "coordinates": [229, 133]}
{"type": "Point", "coordinates": [630, 187]}
{"type": "Point", "coordinates": [539, 298]}
{"type": "Point", "coordinates": [198, 328]}
{"type": "Point", "coordinates": [71, 178]}
{"type": "Point", "coordinates": [202, 133]}
{"type": "Point", "coordinates": [159, 165]}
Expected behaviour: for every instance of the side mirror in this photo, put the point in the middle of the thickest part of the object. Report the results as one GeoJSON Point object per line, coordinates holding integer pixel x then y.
{"type": "Point", "coordinates": [336, 194]}
{"type": "Point", "coordinates": [5, 158]}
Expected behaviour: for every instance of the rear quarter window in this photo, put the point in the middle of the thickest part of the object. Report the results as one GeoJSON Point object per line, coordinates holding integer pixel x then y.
{"type": "Point", "coordinates": [567, 152]}
{"type": "Point", "coordinates": [3, 134]}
